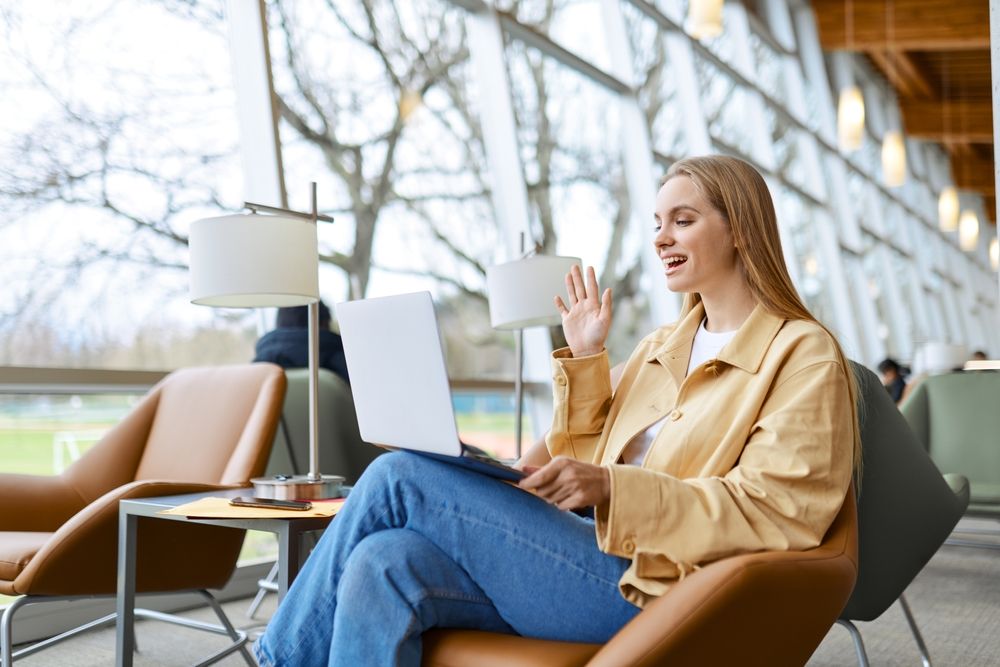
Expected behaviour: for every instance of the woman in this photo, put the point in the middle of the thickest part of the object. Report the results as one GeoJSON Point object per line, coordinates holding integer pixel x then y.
{"type": "Point", "coordinates": [730, 431]}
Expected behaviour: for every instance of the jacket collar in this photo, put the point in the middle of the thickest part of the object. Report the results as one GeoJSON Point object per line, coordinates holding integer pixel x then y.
{"type": "Point", "coordinates": [746, 350]}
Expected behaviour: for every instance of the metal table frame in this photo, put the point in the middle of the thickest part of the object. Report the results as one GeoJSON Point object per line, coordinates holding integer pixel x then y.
{"type": "Point", "coordinates": [290, 552]}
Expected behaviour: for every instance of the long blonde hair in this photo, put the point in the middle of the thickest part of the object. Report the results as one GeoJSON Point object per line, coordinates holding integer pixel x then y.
{"type": "Point", "coordinates": [737, 191]}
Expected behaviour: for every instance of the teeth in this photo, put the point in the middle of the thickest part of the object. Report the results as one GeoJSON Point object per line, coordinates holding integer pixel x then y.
{"type": "Point", "coordinates": [673, 260]}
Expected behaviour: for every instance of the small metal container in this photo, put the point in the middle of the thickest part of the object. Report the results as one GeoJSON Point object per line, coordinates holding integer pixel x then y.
{"type": "Point", "coordinates": [298, 487]}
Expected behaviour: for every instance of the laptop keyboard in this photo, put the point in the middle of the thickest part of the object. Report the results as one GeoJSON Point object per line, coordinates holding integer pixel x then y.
{"type": "Point", "coordinates": [474, 452]}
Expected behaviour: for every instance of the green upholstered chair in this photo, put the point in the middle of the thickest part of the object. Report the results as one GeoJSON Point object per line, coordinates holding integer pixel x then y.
{"type": "Point", "coordinates": [906, 510]}
{"type": "Point", "coordinates": [341, 449]}
{"type": "Point", "coordinates": [956, 417]}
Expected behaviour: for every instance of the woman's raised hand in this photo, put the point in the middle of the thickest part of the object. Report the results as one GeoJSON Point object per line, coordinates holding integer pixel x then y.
{"type": "Point", "coordinates": [588, 317]}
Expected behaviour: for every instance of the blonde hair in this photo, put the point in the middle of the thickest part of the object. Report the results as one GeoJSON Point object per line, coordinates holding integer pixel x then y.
{"type": "Point", "coordinates": [737, 191]}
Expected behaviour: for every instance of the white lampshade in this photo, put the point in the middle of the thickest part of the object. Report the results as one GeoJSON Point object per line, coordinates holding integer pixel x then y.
{"type": "Point", "coordinates": [850, 118]}
{"type": "Point", "coordinates": [995, 254]}
{"type": "Point", "coordinates": [968, 231]}
{"type": "Point", "coordinates": [705, 18]}
{"type": "Point", "coordinates": [948, 209]}
{"type": "Point", "coordinates": [246, 261]}
{"type": "Point", "coordinates": [521, 292]}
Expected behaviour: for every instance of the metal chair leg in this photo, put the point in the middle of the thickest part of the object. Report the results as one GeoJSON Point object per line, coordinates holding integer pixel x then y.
{"type": "Point", "coordinates": [7, 654]}
{"type": "Point", "coordinates": [925, 656]}
{"type": "Point", "coordinates": [266, 585]}
{"type": "Point", "coordinates": [859, 644]}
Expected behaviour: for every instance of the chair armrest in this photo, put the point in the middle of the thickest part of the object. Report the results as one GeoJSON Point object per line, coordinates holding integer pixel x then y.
{"type": "Point", "coordinates": [36, 503]}
{"type": "Point", "coordinates": [771, 608]}
{"type": "Point", "coordinates": [80, 558]}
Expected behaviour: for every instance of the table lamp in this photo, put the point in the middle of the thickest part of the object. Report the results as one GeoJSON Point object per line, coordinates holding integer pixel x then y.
{"type": "Point", "coordinates": [269, 257]}
{"type": "Point", "coordinates": [521, 295]}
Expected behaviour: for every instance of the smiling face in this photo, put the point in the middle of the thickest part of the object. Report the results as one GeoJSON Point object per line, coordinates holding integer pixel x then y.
{"type": "Point", "coordinates": [694, 241]}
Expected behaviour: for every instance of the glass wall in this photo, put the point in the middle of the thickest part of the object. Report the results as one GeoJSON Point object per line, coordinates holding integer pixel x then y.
{"type": "Point", "coordinates": [126, 140]}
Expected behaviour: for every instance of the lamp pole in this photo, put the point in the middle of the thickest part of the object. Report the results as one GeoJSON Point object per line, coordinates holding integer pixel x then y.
{"type": "Point", "coordinates": [313, 484]}
{"type": "Point", "coordinates": [314, 474]}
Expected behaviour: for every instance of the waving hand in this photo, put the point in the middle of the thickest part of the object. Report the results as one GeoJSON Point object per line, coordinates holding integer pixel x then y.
{"type": "Point", "coordinates": [587, 318]}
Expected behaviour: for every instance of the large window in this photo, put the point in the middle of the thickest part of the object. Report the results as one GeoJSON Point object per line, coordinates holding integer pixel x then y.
{"type": "Point", "coordinates": [117, 130]}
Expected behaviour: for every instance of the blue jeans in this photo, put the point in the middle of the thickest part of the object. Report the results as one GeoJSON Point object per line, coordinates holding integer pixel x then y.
{"type": "Point", "coordinates": [422, 544]}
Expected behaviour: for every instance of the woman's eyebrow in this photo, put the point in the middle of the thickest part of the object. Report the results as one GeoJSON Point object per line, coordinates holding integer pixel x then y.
{"type": "Point", "coordinates": [682, 207]}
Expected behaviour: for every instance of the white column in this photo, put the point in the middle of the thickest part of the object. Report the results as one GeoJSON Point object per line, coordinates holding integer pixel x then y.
{"type": "Point", "coordinates": [256, 104]}
{"type": "Point", "coordinates": [839, 205]}
{"type": "Point", "coordinates": [995, 63]}
{"type": "Point", "coordinates": [896, 303]}
{"type": "Point", "coordinates": [738, 31]}
{"type": "Point", "coordinates": [637, 154]}
{"type": "Point", "coordinates": [688, 93]}
{"type": "Point", "coordinates": [509, 192]}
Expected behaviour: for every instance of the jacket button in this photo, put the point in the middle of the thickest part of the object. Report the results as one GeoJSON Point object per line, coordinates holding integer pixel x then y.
{"type": "Point", "coordinates": [560, 380]}
{"type": "Point", "coordinates": [675, 415]}
{"type": "Point", "coordinates": [628, 546]}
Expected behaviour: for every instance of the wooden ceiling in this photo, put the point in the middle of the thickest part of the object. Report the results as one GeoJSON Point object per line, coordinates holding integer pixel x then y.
{"type": "Point", "coordinates": [936, 54]}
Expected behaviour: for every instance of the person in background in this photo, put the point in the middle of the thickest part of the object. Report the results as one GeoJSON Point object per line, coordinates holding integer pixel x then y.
{"type": "Point", "coordinates": [979, 355]}
{"type": "Point", "coordinates": [892, 378]}
{"type": "Point", "coordinates": [288, 343]}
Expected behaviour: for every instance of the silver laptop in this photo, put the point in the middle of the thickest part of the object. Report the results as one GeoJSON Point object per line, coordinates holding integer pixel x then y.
{"type": "Point", "coordinates": [400, 382]}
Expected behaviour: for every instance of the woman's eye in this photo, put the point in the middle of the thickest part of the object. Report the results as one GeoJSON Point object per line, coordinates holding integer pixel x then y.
{"type": "Point", "coordinates": [683, 223]}
{"type": "Point", "coordinates": [657, 227]}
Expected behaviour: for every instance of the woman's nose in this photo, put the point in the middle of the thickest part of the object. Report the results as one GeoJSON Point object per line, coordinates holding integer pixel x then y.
{"type": "Point", "coordinates": [662, 237]}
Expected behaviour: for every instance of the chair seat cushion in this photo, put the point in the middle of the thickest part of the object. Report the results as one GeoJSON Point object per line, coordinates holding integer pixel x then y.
{"type": "Point", "coordinates": [16, 551]}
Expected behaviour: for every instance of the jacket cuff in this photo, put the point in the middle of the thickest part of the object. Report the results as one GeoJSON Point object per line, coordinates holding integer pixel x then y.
{"type": "Point", "coordinates": [631, 513]}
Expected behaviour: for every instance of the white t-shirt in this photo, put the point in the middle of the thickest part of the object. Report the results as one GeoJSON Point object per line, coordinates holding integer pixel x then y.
{"type": "Point", "coordinates": [707, 345]}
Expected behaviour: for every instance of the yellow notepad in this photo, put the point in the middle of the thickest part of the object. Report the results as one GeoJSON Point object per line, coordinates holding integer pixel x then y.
{"type": "Point", "coordinates": [219, 508]}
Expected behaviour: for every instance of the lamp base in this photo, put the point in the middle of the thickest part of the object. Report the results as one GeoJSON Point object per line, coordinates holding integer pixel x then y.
{"type": "Point", "coordinates": [298, 487]}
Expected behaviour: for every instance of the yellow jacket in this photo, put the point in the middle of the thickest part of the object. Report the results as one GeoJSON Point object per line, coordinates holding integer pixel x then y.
{"type": "Point", "coordinates": [755, 454]}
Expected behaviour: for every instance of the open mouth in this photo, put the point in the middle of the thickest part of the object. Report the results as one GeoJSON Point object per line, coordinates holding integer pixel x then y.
{"type": "Point", "coordinates": [674, 262]}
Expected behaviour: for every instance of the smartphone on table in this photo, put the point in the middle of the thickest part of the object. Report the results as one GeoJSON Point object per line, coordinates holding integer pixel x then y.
{"type": "Point", "coordinates": [271, 503]}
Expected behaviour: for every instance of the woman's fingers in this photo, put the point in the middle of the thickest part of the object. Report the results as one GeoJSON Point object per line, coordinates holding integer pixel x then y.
{"type": "Point", "coordinates": [606, 303]}
{"type": "Point", "coordinates": [570, 289]}
{"type": "Point", "coordinates": [592, 283]}
{"type": "Point", "coordinates": [578, 286]}
{"type": "Point", "coordinates": [561, 306]}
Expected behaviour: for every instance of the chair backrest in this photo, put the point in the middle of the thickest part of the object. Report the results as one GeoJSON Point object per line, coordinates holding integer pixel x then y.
{"type": "Point", "coordinates": [341, 449]}
{"type": "Point", "coordinates": [200, 425]}
{"type": "Point", "coordinates": [956, 418]}
{"type": "Point", "coordinates": [905, 508]}
{"type": "Point", "coordinates": [197, 429]}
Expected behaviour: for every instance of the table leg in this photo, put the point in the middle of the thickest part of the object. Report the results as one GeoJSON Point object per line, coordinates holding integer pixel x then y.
{"type": "Point", "coordinates": [125, 602]}
{"type": "Point", "coordinates": [289, 558]}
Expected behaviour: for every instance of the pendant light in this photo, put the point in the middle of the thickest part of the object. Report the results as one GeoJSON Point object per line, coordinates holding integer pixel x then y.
{"type": "Point", "coordinates": [705, 18]}
{"type": "Point", "coordinates": [948, 209]}
{"type": "Point", "coordinates": [850, 118]}
{"type": "Point", "coordinates": [968, 231]}
{"type": "Point", "coordinates": [851, 104]}
{"type": "Point", "coordinates": [893, 159]}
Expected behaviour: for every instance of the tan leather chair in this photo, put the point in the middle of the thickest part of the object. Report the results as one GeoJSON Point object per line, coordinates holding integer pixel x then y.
{"type": "Point", "coordinates": [768, 608]}
{"type": "Point", "coordinates": [199, 429]}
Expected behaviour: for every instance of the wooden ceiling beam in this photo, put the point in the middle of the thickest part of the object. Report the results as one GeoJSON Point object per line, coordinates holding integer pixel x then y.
{"type": "Point", "coordinates": [990, 204]}
{"type": "Point", "coordinates": [961, 121]}
{"type": "Point", "coordinates": [903, 73]}
{"type": "Point", "coordinates": [917, 25]}
{"type": "Point", "coordinates": [974, 173]}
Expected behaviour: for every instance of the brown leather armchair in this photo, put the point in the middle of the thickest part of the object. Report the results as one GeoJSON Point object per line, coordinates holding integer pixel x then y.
{"type": "Point", "coordinates": [199, 429]}
{"type": "Point", "coordinates": [768, 608]}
